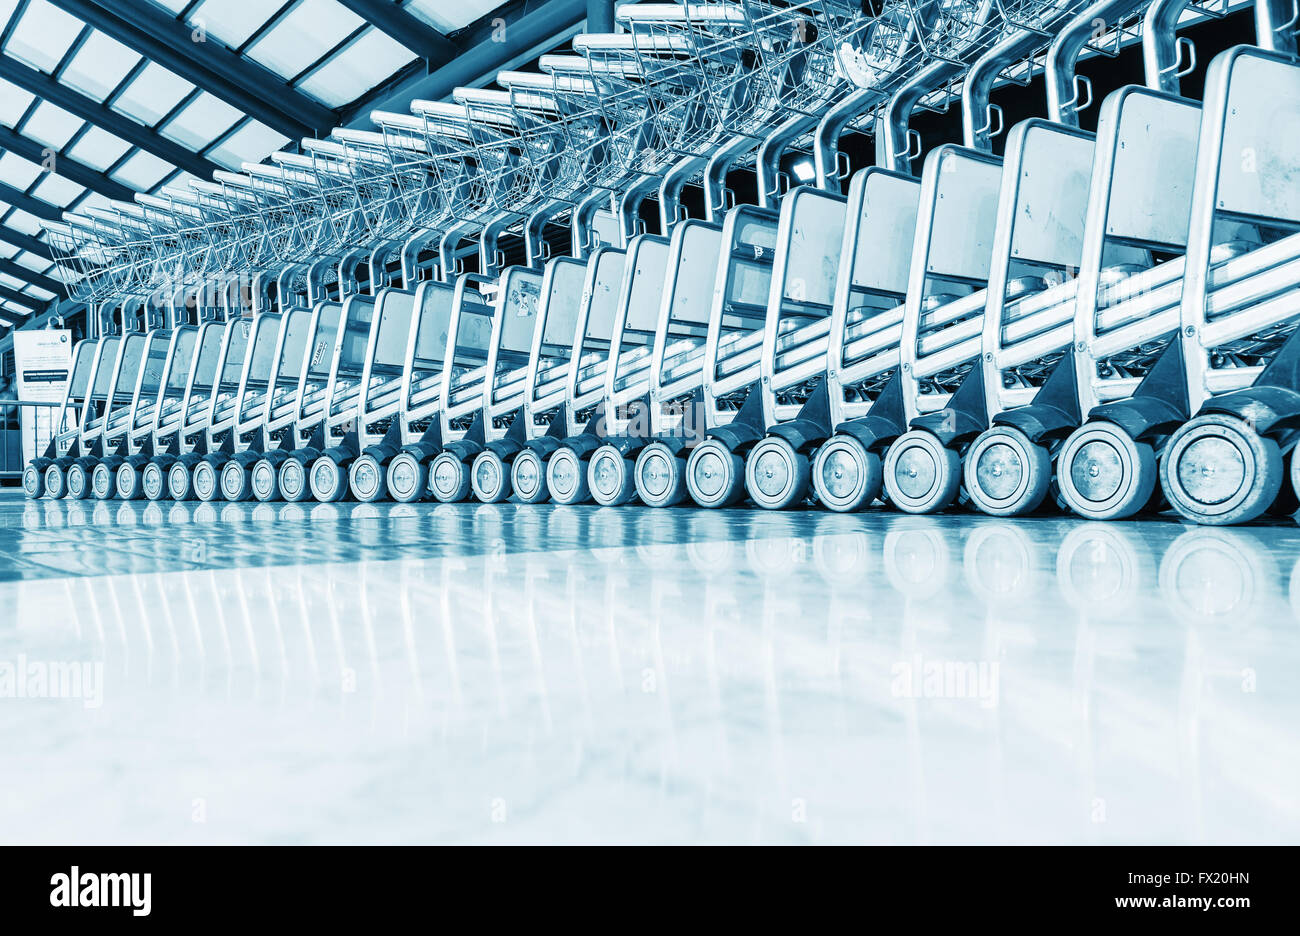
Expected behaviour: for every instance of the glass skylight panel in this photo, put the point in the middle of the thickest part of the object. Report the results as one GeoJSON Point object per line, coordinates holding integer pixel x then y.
{"type": "Point", "coordinates": [251, 143]}
{"type": "Point", "coordinates": [23, 222]}
{"type": "Point", "coordinates": [175, 6]}
{"type": "Point", "coordinates": [231, 21]}
{"type": "Point", "coordinates": [51, 126]}
{"type": "Point", "coordinates": [57, 190]}
{"type": "Point", "coordinates": [42, 294]}
{"type": "Point", "coordinates": [43, 35]}
{"type": "Point", "coordinates": [355, 70]}
{"type": "Point", "coordinates": [99, 149]}
{"type": "Point", "coordinates": [201, 121]}
{"type": "Point", "coordinates": [7, 250]}
{"type": "Point", "coordinates": [14, 102]}
{"type": "Point", "coordinates": [152, 95]}
{"type": "Point", "coordinates": [93, 200]}
{"type": "Point", "coordinates": [99, 66]}
{"type": "Point", "coordinates": [448, 17]}
{"type": "Point", "coordinates": [11, 281]}
{"type": "Point", "coordinates": [32, 262]}
{"type": "Point", "coordinates": [18, 172]}
{"type": "Point", "coordinates": [143, 171]}
{"type": "Point", "coordinates": [309, 31]}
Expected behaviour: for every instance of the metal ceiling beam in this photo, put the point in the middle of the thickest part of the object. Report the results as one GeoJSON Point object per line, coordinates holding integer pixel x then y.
{"type": "Point", "coordinates": [47, 283]}
{"type": "Point", "coordinates": [38, 207]}
{"type": "Point", "coordinates": [527, 34]}
{"type": "Point", "coordinates": [26, 242]}
{"type": "Point", "coordinates": [21, 299]}
{"type": "Point", "coordinates": [410, 31]}
{"type": "Point", "coordinates": [65, 166]}
{"type": "Point", "coordinates": [240, 82]}
{"type": "Point", "coordinates": [50, 89]}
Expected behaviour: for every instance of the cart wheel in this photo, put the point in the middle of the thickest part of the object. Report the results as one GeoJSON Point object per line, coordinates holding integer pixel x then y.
{"type": "Point", "coordinates": [368, 480]}
{"type": "Point", "coordinates": [660, 476]}
{"type": "Point", "coordinates": [528, 478]}
{"type": "Point", "coordinates": [130, 485]}
{"type": "Point", "coordinates": [1217, 470]}
{"type": "Point", "coordinates": [408, 478]}
{"type": "Point", "coordinates": [922, 475]}
{"type": "Point", "coordinates": [1007, 474]}
{"type": "Point", "coordinates": [77, 483]}
{"type": "Point", "coordinates": [714, 475]}
{"type": "Point", "coordinates": [845, 475]}
{"type": "Point", "coordinates": [327, 480]}
{"type": "Point", "coordinates": [236, 482]}
{"type": "Point", "coordinates": [1104, 474]}
{"type": "Point", "coordinates": [491, 478]}
{"type": "Point", "coordinates": [449, 478]}
{"type": "Point", "coordinates": [566, 477]}
{"type": "Point", "coordinates": [33, 481]}
{"type": "Point", "coordinates": [152, 481]}
{"type": "Point", "coordinates": [776, 476]}
{"type": "Point", "coordinates": [179, 483]}
{"type": "Point", "coordinates": [292, 480]}
{"type": "Point", "coordinates": [611, 477]}
{"type": "Point", "coordinates": [265, 480]}
{"type": "Point", "coordinates": [54, 482]}
{"type": "Point", "coordinates": [102, 483]}
{"type": "Point", "coordinates": [203, 481]}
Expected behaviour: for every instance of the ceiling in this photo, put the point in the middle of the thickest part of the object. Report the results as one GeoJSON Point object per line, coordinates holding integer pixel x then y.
{"type": "Point", "coordinates": [100, 99]}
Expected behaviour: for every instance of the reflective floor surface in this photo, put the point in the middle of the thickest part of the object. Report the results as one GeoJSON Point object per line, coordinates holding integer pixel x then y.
{"type": "Point", "coordinates": [473, 674]}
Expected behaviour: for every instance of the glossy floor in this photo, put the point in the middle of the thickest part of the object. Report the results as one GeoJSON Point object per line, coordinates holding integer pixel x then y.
{"type": "Point", "coordinates": [538, 674]}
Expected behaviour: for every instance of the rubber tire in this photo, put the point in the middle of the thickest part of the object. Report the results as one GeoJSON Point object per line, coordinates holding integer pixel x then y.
{"type": "Point", "coordinates": [367, 479]}
{"type": "Point", "coordinates": [55, 482]}
{"type": "Point", "coordinates": [264, 479]}
{"type": "Point", "coordinates": [942, 491]}
{"type": "Point", "coordinates": [1136, 462]}
{"type": "Point", "coordinates": [103, 482]}
{"type": "Point", "coordinates": [293, 479]}
{"type": "Point", "coordinates": [624, 477]}
{"type": "Point", "coordinates": [153, 481]}
{"type": "Point", "coordinates": [490, 478]}
{"type": "Point", "coordinates": [236, 482]}
{"type": "Point", "coordinates": [180, 485]}
{"type": "Point", "coordinates": [868, 469]}
{"type": "Point", "coordinates": [660, 476]}
{"type": "Point", "coordinates": [1031, 487]}
{"type": "Point", "coordinates": [129, 484]}
{"type": "Point", "coordinates": [205, 482]}
{"type": "Point", "coordinates": [33, 482]}
{"type": "Point", "coordinates": [528, 478]}
{"type": "Point", "coordinates": [407, 478]}
{"type": "Point", "coordinates": [449, 479]}
{"type": "Point", "coordinates": [328, 480]}
{"type": "Point", "coordinates": [789, 468]}
{"type": "Point", "coordinates": [77, 481]}
{"type": "Point", "coordinates": [1261, 466]}
{"type": "Point", "coordinates": [580, 491]}
{"type": "Point", "coordinates": [713, 455]}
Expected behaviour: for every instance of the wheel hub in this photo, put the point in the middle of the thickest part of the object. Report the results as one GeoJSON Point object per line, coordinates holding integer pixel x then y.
{"type": "Point", "coordinates": [916, 471]}
{"type": "Point", "coordinates": [709, 474]}
{"type": "Point", "coordinates": [840, 473]}
{"type": "Point", "coordinates": [771, 473]}
{"type": "Point", "coordinates": [1211, 470]}
{"type": "Point", "coordinates": [654, 474]}
{"type": "Point", "coordinates": [403, 476]}
{"type": "Point", "coordinates": [999, 471]}
{"type": "Point", "coordinates": [488, 475]}
{"type": "Point", "coordinates": [263, 479]}
{"type": "Point", "coordinates": [564, 475]}
{"type": "Point", "coordinates": [203, 480]}
{"type": "Point", "coordinates": [1097, 471]}
{"type": "Point", "coordinates": [366, 477]}
{"type": "Point", "coordinates": [291, 479]}
{"type": "Point", "coordinates": [444, 476]}
{"type": "Point", "coordinates": [526, 475]}
{"type": "Point", "coordinates": [605, 475]}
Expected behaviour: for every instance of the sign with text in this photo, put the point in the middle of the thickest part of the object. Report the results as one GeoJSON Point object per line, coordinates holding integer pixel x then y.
{"type": "Point", "coordinates": [42, 363]}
